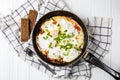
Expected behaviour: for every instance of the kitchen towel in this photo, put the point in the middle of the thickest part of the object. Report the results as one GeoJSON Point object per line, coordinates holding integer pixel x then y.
{"type": "Point", "coordinates": [99, 29]}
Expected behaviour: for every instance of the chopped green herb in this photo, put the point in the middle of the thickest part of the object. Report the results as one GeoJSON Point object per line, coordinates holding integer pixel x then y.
{"type": "Point", "coordinates": [72, 40]}
{"type": "Point", "coordinates": [59, 56]}
{"type": "Point", "coordinates": [66, 47]}
{"type": "Point", "coordinates": [77, 48]}
{"type": "Point", "coordinates": [53, 53]}
{"type": "Point", "coordinates": [75, 45]}
{"type": "Point", "coordinates": [65, 31]}
{"type": "Point", "coordinates": [56, 45]}
{"type": "Point", "coordinates": [45, 37]}
{"type": "Point", "coordinates": [47, 30]}
{"type": "Point", "coordinates": [64, 41]}
{"type": "Point", "coordinates": [52, 19]}
{"type": "Point", "coordinates": [68, 36]}
{"type": "Point", "coordinates": [62, 36]}
{"type": "Point", "coordinates": [50, 45]}
{"type": "Point", "coordinates": [48, 33]}
{"type": "Point", "coordinates": [72, 35]}
{"type": "Point", "coordinates": [69, 46]}
{"type": "Point", "coordinates": [59, 32]}
{"type": "Point", "coordinates": [68, 40]}
{"type": "Point", "coordinates": [57, 39]}
{"type": "Point", "coordinates": [67, 53]}
{"type": "Point", "coordinates": [58, 25]}
{"type": "Point", "coordinates": [62, 46]}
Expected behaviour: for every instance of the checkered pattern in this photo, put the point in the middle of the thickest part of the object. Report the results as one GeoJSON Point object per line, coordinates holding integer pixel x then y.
{"type": "Point", "coordinates": [99, 43]}
{"type": "Point", "coordinates": [100, 35]}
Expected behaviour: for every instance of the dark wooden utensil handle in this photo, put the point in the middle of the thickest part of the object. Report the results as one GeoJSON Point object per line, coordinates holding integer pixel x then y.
{"type": "Point", "coordinates": [90, 58]}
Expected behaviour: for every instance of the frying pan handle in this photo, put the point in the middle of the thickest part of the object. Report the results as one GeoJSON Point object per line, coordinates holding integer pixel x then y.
{"type": "Point", "coordinates": [90, 58]}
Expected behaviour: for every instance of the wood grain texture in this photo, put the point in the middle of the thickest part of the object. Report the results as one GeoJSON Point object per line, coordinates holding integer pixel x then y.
{"type": "Point", "coordinates": [12, 68]}
{"type": "Point", "coordinates": [24, 29]}
{"type": "Point", "coordinates": [32, 18]}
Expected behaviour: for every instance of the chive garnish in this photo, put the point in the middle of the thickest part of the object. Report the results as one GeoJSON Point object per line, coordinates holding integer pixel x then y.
{"type": "Point", "coordinates": [67, 53]}
{"type": "Point", "coordinates": [75, 45]}
{"type": "Point", "coordinates": [77, 48]}
{"type": "Point", "coordinates": [45, 37]}
{"type": "Point", "coordinates": [66, 47]}
{"type": "Point", "coordinates": [62, 47]}
{"type": "Point", "coordinates": [65, 31]}
{"type": "Point", "coordinates": [59, 56]}
{"type": "Point", "coordinates": [50, 45]}
{"type": "Point", "coordinates": [72, 35]}
{"type": "Point", "coordinates": [69, 46]}
{"type": "Point", "coordinates": [48, 33]}
{"type": "Point", "coordinates": [47, 30]}
{"type": "Point", "coordinates": [52, 19]}
{"type": "Point", "coordinates": [53, 53]}
{"type": "Point", "coordinates": [58, 25]}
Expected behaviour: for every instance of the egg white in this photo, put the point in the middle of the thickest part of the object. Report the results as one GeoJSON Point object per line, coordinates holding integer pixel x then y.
{"type": "Point", "coordinates": [56, 52]}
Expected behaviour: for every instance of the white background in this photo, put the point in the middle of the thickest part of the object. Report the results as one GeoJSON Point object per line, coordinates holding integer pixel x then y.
{"type": "Point", "coordinates": [12, 68]}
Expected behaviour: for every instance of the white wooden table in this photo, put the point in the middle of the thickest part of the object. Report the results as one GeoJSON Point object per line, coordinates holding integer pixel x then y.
{"type": "Point", "coordinates": [12, 68]}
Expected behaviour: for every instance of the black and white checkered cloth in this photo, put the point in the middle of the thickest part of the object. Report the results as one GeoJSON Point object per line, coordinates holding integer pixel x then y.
{"type": "Point", "coordinates": [99, 29]}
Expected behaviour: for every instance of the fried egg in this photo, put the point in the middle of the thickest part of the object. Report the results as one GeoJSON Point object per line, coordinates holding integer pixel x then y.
{"type": "Point", "coordinates": [62, 39]}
